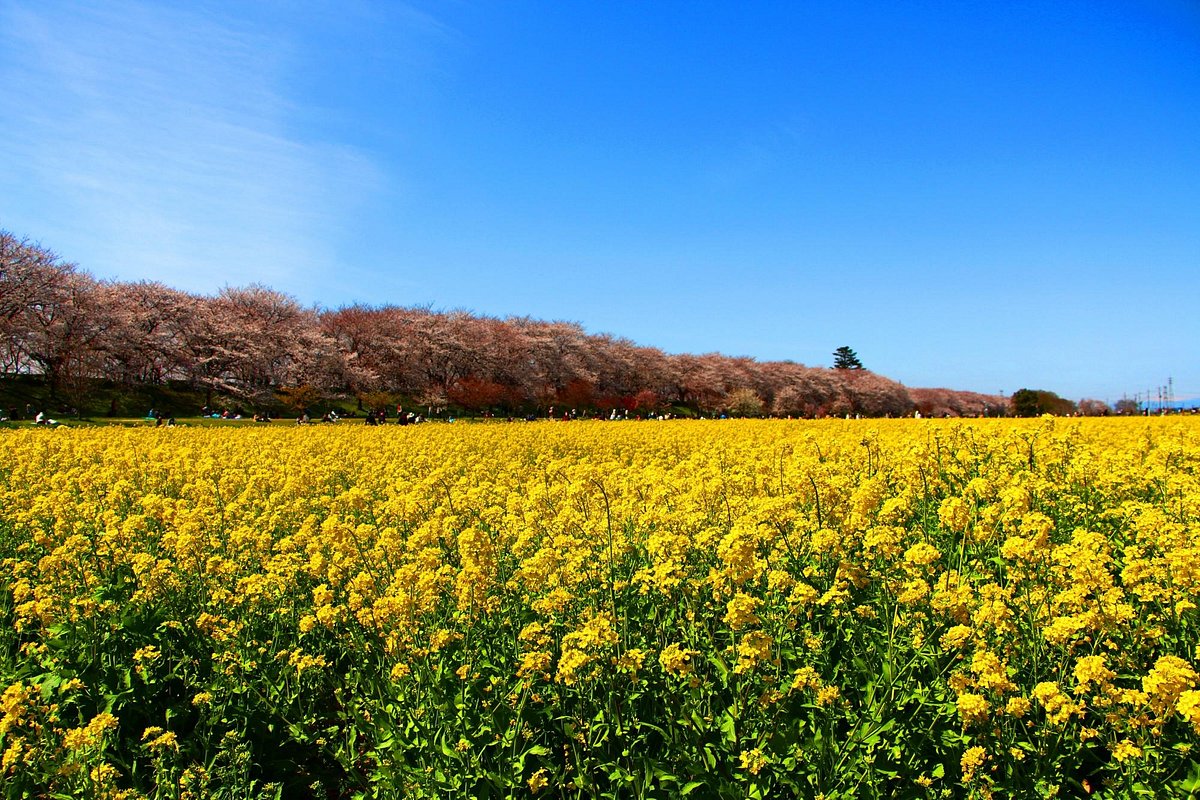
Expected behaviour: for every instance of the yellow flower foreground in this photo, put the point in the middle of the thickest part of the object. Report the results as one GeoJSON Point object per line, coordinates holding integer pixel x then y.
{"type": "Point", "coordinates": [836, 608]}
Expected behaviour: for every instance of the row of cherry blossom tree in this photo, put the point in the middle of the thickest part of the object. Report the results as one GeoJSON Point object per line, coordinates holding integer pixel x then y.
{"type": "Point", "coordinates": [61, 323]}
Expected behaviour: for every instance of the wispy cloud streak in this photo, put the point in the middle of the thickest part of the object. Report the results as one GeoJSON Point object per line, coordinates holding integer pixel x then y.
{"type": "Point", "coordinates": [157, 140]}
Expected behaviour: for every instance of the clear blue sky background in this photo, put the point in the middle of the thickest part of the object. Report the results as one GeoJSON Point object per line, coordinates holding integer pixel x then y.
{"type": "Point", "coordinates": [980, 195]}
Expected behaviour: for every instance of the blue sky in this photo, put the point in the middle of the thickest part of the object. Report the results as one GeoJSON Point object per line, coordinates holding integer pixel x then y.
{"type": "Point", "coordinates": [983, 196]}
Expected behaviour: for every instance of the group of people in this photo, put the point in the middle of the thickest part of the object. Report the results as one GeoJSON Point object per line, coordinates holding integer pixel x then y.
{"type": "Point", "coordinates": [39, 418]}
{"type": "Point", "coordinates": [380, 417]}
{"type": "Point", "coordinates": [328, 416]}
{"type": "Point", "coordinates": [225, 413]}
{"type": "Point", "coordinates": [612, 416]}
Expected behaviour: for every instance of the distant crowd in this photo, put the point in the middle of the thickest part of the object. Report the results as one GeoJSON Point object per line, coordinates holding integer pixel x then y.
{"type": "Point", "coordinates": [382, 416]}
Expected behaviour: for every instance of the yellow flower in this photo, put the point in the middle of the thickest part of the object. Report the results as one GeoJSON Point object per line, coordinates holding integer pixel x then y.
{"type": "Point", "coordinates": [971, 761]}
{"type": "Point", "coordinates": [581, 647]}
{"type": "Point", "coordinates": [147, 653]}
{"type": "Point", "coordinates": [1126, 750]}
{"type": "Point", "coordinates": [104, 775]}
{"type": "Point", "coordinates": [1064, 628]}
{"type": "Point", "coordinates": [90, 734]}
{"type": "Point", "coordinates": [913, 591]}
{"type": "Point", "coordinates": [1058, 707]}
{"type": "Point", "coordinates": [828, 695]}
{"type": "Point", "coordinates": [753, 760]}
{"type": "Point", "coordinates": [1089, 670]}
{"type": "Point", "coordinates": [1188, 707]}
{"type": "Point", "coordinates": [753, 648]}
{"type": "Point", "coordinates": [973, 708]}
{"type": "Point", "coordinates": [956, 637]}
{"type": "Point", "coordinates": [1017, 707]}
{"type": "Point", "coordinates": [803, 595]}
{"type": "Point", "coordinates": [534, 632]}
{"type": "Point", "coordinates": [1018, 548]}
{"type": "Point", "coordinates": [739, 612]}
{"type": "Point", "coordinates": [991, 673]}
{"type": "Point", "coordinates": [302, 662]}
{"type": "Point", "coordinates": [675, 660]}
{"type": "Point", "coordinates": [72, 685]}
{"type": "Point", "coordinates": [1081, 533]}
{"type": "Point", "coordinates": [993, 611]}
{"type": "Point", "coordinates": [806, 678]}
{"type": "Point", "coordinates": [534, 664]}
{"type": "Point", "coordinates": [921, 554]}
{"type": "Point", "coordinates": [17, 700]}
{"type": "Point", "coordinates": [954, 514]}
{"type": "Point", "coordinates": [12, 755]}
{"type": "Point", "coordinates": [1167, 681]}
{"type": "Point", "coordinates": [630, 661]}
{"type": "Point", "coordinates": [158, 739]}
{"type": "Point", "coordinates": [537, 781]}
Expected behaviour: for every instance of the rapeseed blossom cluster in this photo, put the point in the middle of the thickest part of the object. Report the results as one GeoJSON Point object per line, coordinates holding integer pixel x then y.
{"type": "Point", "coordinates": [799, 608]}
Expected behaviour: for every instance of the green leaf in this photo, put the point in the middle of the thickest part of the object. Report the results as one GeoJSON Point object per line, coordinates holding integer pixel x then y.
{"type": "Point", "coordinates": [661, 775]}
{"type": "Point", "coordinates": [729, 727]}
{"type": "Point", "coordinates": [49, 684]}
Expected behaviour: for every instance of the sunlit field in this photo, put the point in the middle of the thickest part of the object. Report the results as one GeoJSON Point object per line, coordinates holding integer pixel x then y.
{"type": "Point", "coordinates": [720, 609]}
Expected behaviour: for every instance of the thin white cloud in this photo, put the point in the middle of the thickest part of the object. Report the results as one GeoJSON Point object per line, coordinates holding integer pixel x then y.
{"type": "Point", "coordinates": [156, 140]}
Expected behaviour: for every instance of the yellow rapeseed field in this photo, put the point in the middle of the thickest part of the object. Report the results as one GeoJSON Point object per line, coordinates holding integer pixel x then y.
{"type": "Point", "coordinates": [714, 609]}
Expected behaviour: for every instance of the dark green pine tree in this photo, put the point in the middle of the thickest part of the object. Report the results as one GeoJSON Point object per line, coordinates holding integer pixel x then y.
{"type": "Point", "coordinates": [845, 358]}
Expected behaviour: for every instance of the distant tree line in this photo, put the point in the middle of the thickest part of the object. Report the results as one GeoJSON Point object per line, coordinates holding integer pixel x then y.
{"type": "Point", "coordinates": [251, 343]}
{"type": "Point", "coordinates": [1035, 402]}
